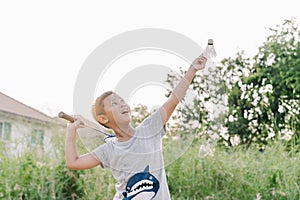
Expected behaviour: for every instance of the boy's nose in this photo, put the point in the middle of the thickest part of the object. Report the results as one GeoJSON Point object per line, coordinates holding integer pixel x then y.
{"type": "Point", "coordinates": [123, 105]}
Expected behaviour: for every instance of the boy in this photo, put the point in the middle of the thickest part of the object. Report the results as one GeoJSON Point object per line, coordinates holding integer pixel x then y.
{"type": "Point", "coordinates": [135, 156]}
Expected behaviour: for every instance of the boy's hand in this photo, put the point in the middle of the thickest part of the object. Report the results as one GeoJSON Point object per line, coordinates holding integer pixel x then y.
{"type": "Point", "coordinates": [73, 126]}
{"type": "Point", "coordinates": [199, 63]}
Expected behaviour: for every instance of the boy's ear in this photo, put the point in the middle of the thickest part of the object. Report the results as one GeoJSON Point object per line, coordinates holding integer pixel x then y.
{"type": "Point", "coordinates": [102, 119]}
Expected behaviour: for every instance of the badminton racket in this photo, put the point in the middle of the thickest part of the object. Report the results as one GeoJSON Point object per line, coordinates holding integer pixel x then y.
{"type": "Point", "coordinates": [87, 128]}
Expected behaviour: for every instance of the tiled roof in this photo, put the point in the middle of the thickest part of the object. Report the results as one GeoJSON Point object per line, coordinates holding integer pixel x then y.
{"type": "Point", "coordinates": [10, 105]}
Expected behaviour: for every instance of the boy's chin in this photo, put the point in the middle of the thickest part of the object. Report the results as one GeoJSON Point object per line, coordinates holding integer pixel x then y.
{"type": "Point", "coordinates": [127, 118]}
{"type": "Point", "coordinates": [125, 121]}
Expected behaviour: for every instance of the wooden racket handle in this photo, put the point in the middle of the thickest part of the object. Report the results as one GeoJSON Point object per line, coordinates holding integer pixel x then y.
{"type": "Point", "coordinates": [66, 117]}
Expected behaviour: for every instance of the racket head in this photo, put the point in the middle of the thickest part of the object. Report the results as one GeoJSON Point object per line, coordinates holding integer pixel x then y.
{"type": "Point", "coordinates": [90, 138]}
{"type": "Point", "coordinates": [92, 135]}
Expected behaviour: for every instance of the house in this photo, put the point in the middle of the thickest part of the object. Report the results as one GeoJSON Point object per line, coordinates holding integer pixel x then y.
{"type": "Point", "coordinates": [22, 127]}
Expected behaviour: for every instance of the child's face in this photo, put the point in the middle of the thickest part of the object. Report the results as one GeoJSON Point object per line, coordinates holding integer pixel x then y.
{"type": "Point", "coordinates": [117, 110]}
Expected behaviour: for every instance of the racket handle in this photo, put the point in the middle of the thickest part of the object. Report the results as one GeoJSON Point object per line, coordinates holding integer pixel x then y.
{"type": "Point", "coordinates": [66, 117]}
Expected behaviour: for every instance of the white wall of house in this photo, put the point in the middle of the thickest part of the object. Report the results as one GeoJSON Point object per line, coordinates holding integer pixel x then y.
{"type": "Point", "coordinates": [27, 133]}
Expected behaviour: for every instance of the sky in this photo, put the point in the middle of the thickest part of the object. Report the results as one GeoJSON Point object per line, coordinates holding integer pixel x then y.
{"type": "Point", "coordinates": [43, 44]}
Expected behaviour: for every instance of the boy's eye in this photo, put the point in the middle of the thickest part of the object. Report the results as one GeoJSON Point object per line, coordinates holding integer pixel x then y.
{"type": "Point", "coordinates": [113, 103]}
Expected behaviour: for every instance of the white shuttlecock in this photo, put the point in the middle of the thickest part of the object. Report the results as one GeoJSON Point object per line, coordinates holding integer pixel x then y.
{"type": "Point", "coordinates": [210, 49]}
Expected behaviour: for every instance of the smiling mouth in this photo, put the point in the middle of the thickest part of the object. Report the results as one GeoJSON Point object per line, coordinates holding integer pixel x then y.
{"type": "Point", "coordinates": [125, 112]}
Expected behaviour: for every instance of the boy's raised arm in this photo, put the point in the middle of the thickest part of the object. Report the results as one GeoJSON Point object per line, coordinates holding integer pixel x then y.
{"type": "Point", "coordinates": [180, 89]}
{"type": "Point", "coordinates": [73, 161]}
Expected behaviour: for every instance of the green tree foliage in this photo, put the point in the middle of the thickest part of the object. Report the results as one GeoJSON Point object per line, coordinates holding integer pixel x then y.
{"type": "Point", "coordinates": [249, 100]}
{"type": "Point", "coordinates": [205, 112]}
{"type": "Point", "coordinates": [139, 113]}
{"type": "Point", "coordinates": [264, 104]}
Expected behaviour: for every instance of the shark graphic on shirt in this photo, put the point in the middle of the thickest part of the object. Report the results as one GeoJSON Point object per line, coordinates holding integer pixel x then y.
{"type": "Point", "coordinates": [142, 185]}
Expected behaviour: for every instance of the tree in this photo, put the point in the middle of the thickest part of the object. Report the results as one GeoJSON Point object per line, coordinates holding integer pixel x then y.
{"type": "Point", "coordinates": [249, 100]}
{"type": "Point", "coordinates": [139, 113]}
{"type": "Point", "coordinates": [264, 105]}
{"type": "Point", "coordinates": [204, 114]}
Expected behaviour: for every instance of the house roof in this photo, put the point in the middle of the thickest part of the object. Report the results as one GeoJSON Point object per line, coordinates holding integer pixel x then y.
{"type": "Point", "coordinates": [10, 105]}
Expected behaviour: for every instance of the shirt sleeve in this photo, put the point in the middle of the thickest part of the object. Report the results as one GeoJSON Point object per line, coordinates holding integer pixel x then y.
{"type": "Point", "coordinates": [100, 154]}
{"type": "Point", "coordinates": [153, 124]}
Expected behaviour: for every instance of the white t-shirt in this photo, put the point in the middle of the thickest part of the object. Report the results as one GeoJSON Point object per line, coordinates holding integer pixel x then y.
{"type": "Point", "coordinates": [137, 164]}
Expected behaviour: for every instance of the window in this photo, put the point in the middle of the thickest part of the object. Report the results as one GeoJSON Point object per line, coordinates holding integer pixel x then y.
{"type": "Point", "coordinates": [5, 130]}
{"type": "Point", "coordinates": [37, 136]}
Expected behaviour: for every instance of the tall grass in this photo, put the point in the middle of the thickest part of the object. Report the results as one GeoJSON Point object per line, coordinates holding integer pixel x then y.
{"type": "Point", "coordinates": [234, 173]}
{"type": "Point", "coordinates": [35, 176]}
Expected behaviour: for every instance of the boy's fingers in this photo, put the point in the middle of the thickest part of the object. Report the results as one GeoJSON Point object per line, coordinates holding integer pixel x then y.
{"type": "Point", "coordinates": [202, 59]}
{"type": "Point", "coordinates": [77, 123]}
{"type": "Point", "coordinates": [79, 117]}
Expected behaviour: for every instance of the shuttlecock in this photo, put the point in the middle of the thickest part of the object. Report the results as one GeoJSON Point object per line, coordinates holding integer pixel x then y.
{"type": "Point", "coordinates": [210, 49]}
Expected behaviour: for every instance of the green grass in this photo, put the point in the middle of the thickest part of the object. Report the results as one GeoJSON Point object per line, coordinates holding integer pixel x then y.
{"type": "Point", "coordinates": [234, 173]}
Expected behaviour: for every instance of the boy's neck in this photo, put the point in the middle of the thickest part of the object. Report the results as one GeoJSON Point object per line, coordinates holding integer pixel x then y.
{"type": "Point", "coordinates": [124, 133]}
